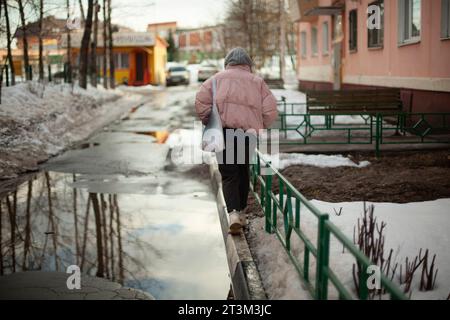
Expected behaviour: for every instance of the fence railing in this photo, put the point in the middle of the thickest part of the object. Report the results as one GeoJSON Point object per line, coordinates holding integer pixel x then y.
{"type": "Point", "coordinates": [299, 127]}
{"type": "Point", "coordinates": [293, 206]}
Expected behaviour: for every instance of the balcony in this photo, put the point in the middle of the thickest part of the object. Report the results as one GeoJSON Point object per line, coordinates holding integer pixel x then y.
{"type": "Point", "coordinates": [309, 10]}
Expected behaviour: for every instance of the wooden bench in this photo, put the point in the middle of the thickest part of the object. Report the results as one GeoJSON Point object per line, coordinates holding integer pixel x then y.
{"type": "Point", "coordinates": [364, 102]}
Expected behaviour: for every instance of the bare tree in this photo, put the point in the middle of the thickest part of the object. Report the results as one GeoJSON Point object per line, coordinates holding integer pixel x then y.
{"type": "Point", "coordinates": [98, 232]}
{"type": "Point", "coordinates": [8, 43]}
{"type": "Point", "coordinates": [253, 25]}
{"type": "Point", "coordinates": [84, 51]}
{"type": "Point", "coordinates": [26, 58]}
{"type": "Point", "coordinates": [83, 18]}
{"type": "Point", "coordinates": [69, 48]}
{"type": "Point", "coordinates": [105, 37]}
{"type": "Point", "coordinates": [112, 81]}
{"type": "Point", "coordinates": [41, 44]}
{"type": "Point", "coordinates": [1, 237]}
{"type": "Point", "coordinates": [282, 39]}
{"type": "Point", "coordinates": [93, 63]}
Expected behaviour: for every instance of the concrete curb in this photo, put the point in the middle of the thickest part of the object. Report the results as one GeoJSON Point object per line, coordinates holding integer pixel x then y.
{"type": "Point", "coordinates": [245, 278]}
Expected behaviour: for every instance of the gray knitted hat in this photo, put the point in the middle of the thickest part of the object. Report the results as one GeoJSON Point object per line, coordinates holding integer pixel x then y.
{"type": "Point", "coordinates": [238, 56]}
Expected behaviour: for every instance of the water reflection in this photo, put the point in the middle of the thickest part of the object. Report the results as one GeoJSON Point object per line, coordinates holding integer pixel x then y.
{"type": "Point", "coordinates": [151, 242]}
{"type": "Point", "coordinates": [42, 229]}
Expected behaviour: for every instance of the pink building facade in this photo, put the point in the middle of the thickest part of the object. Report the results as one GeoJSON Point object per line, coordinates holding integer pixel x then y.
{"type": "Point", "coordinates": [408, 48]}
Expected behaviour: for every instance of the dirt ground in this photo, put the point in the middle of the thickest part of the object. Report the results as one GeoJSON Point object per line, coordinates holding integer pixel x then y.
{"type": "Point", "coordinates": [398, 177]}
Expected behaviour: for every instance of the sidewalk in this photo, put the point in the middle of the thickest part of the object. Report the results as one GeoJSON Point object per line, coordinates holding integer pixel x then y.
{"type": "Point", "coordinates": [37, 285]}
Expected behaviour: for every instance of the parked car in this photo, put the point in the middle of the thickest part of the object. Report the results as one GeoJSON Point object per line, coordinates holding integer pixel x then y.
{"type": "Point", "coordinates": [207, 71]}
{"type": "Point", "coordinates": [177, 75]}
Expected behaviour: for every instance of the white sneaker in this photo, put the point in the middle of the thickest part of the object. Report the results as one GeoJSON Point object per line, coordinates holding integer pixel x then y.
{"type": "Point", "coordinates": [235, 223]}
{"type": "Point", "coordinates": [243, 218]}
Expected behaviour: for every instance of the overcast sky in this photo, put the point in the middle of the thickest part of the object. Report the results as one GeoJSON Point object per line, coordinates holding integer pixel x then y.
{"type": "Point", "coordinates": [188, 13]}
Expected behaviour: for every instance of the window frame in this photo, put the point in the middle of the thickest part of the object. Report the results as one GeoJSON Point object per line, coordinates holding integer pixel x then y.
{"type": "Point", "coordinates": [304, 44]}
{"type": "Point", "coordinates": [445, 20]}
{"type": "Point", "coordinates": [325, 38]}
{"type": "Point", "coordinates": [402, 16]}
{"type": "Point", "coordinates": [353, 33]}
{"type": "Point", "coordinates": [380, 32]}
{"type": "Point", "coordinates": [314, 41]}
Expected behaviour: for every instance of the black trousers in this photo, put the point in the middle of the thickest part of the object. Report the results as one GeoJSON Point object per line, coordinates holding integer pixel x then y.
{"type": "Point", "coordinates": [236, 172]}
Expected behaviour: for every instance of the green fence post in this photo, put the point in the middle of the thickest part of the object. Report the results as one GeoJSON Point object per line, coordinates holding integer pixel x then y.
{"type": "Point", "coordinates": [7, 75]}
{"type": "Point", "coordinates": [268, 202]}
{"type": "Point", "coordinates": [378, 135]}
{"type": "Point", "coordinates": [323, 257]}
{"type": "Point", "coordinates": [363, 290]}
{"type": "Point", "coordinates": [49, 67]}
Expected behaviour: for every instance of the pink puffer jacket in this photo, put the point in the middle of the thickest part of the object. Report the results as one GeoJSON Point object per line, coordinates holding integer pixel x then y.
{"type": "Point", "coordinates": [244, 100]}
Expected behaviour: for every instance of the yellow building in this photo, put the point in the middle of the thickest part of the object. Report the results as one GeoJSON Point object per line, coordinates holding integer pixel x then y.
{"type": "Point", "coordinates": [139, 57]}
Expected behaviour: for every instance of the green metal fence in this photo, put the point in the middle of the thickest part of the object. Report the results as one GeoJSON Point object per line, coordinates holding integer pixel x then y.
{"type": "Point", "coordinates": [371, 129]}
{"type": "Point", "coordinates": [292, 205]}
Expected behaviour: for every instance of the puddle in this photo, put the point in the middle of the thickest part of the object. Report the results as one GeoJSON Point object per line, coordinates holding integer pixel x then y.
{"type": "Point", "coordinates": [154, 235]}
{"type": "Point", "coordinates": [118, 208]}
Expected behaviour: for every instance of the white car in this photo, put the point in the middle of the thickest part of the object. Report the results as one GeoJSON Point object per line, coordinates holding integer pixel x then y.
{"type": "Point", "coordinates": [206, 71]}
{"type": "Point", "coordinates": [177, 75]}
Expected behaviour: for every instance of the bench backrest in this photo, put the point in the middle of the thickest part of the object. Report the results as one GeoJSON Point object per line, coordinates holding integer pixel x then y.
{"type": "Point", "coordinates": [366, 101]}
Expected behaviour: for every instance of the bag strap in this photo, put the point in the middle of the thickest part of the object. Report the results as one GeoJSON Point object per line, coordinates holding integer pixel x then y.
{"type": "Point", "coordinates": [214, 91]}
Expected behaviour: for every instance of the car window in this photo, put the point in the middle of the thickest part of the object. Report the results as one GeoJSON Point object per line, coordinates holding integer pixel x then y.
{"type": "Point", "coordinates": [177, 69]}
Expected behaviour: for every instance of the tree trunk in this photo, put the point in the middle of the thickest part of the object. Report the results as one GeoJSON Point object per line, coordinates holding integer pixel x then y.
{"type": "Point", "coordinates": [83, 18]}
{"type": "Point", "coordinates": [8, 44]}
{"type": "Point", "coordinates": [282, 41]}
{"type": "Point", "coordinates": [112, 81]}
{"type": "Point", "coordinates": [26, 58]}
{"type": "Point", "coordinates": [105, 37]}
{"type": "Point", "coordinates": [84, 51]}
{"type": "Point", "coordinates": [41, 43]}
{"type": "Point", "coordinates": [93, 64]}
{"type": "Point", "coordinates": [27, 243]}
{"type": "Point", "coordinates": [69, 48]}
{"type": "Point", "coordinates": [119, 240]}
{"type": "Point", "coordinates": [98, 232]}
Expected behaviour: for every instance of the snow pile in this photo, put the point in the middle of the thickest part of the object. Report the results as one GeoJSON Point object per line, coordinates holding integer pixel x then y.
{"type": "Point", "coordinates": [284, 160]}
{"type": "Point", "coordinates": [38, 121]}
{"type": "Point", "coordinates": [410, 227]}
{"type": "Point", "coordinates": [279, 277]}
{"type": "Point", "coordinates": [141, 89]}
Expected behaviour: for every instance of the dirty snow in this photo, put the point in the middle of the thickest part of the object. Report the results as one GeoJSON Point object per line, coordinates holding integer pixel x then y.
{"type": "Point", "coordinates": [410, 227]}
{"type": "Point", "coordinates": [38, 121]}
{"type": "Point", "coordinates": [279, 277]}
{"type": "Point", "coordinates": [284, 160]}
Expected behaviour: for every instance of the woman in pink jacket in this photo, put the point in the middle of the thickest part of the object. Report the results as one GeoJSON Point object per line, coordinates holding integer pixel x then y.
{"type": "Point", "coordinates": [246, 105]}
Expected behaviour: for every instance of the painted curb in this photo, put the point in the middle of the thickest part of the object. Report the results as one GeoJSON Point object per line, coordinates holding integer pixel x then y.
{"type": "Point", "coordinates": [245, 278]}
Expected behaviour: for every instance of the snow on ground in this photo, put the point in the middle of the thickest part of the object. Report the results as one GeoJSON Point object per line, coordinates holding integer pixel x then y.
{"type": "Point", "coordinates": [279, 277]}
{"type": "Point", "coordinates": [284, 160]}
{"type": "Point", "coordinates": [39, 121]}
{"type": "Point", "coordinates": [410, 227]}
{"type": "Point", "coordinates": [141, 89]}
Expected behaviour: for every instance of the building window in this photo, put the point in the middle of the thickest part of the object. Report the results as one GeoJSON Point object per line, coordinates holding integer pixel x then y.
{"type": "Point", "coordinates": [353, 30]}
{"type": "Point", "coordinates": [125, 62]}
{"type": "Point", "coordinates": [325, 38]}
{"type": "Point", "coordinates": [121, 60]}
{"type": "Point", "coordinates": [314, 41]}
{"type": "Point", "coordinates": [303, 44]}
{"type": "Point", "coordinates": [376, 36]}
{"type": "Point", "coordinates": [445, 19]}
{"type": "Point", "coordinates": [409, 20]}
